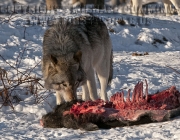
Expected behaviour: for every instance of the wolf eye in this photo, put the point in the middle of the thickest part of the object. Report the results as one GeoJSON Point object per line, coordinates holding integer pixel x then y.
{"type": "Point", "coordinates": [65, 85]}
{"type": "Point", "coordinates": [58, 83]}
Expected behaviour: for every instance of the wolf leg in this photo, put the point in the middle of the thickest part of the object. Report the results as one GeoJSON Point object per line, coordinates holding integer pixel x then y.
{"type": "Point", "coordinates": [136, 7]}
{"type": "Point", "coordinates": [85, 95]}
{"type": "Point", "coordinates": [59, 99]}
{"type": "Point", "coordinates": [167, 5]}
{"type": "Point", "coordinates": [103, 75]}
{"type": "Point", "coordinates": [176, 3]}
{"type": "Point", "coordinates": [114, 3]}
{"type": "Point", "coordinates": [103, 82]}
{"type": "Point", "coordinates": [91, 83]}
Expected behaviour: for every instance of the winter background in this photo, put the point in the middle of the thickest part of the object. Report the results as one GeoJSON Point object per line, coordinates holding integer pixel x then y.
{"type": "Point", "coordinates": [21, 47]}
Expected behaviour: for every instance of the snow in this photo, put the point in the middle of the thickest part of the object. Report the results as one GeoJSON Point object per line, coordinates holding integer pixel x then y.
{"type": "Point", "coordinates": [17, 39]}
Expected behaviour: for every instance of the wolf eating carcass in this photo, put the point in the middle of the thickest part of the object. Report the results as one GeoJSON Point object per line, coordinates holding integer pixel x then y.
{"type": "Point", "coordinates": [72, 53]}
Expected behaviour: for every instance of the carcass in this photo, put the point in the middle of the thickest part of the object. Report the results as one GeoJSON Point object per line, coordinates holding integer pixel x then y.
{"type": "Point", "coordinates": [140, 108]}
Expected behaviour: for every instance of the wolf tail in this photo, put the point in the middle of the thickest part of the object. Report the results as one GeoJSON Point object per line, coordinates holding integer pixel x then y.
{"type": "Point", "coordinates": [110, 69]}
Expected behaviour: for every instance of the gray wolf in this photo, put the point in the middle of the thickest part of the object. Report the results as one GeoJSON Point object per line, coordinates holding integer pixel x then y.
{"type": "Point", "coordinates": [137, 5]}
{"type": "Point", "coordinates": [72, 54]}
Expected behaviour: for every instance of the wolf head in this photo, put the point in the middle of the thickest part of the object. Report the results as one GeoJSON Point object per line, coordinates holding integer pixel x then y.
{"type": "Point", "coordinates": [63, 73]}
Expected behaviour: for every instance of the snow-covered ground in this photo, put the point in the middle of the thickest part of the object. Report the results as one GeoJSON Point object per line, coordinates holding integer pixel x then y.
{"type": "Point", "coordinates": [160, 37]}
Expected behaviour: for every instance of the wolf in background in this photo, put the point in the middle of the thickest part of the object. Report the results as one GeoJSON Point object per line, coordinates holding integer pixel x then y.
{"type": "Point", "coordinates": [137, 5]}
{"type": "Point", "coordinates": [72, 54]}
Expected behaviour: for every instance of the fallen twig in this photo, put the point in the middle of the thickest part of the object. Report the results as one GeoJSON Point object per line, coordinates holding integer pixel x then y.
{"type": "Point", "coordinates": [173, 69]}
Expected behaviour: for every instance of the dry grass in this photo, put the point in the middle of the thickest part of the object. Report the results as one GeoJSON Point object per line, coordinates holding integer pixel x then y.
{"type": "Point", "coordinates": [15, 81]}
{"type": "Point", "coordinates": [20, 82]}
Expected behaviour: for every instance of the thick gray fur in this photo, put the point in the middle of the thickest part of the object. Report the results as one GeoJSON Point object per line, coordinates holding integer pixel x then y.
{"type": "Point", "coordinates": [73, 53]}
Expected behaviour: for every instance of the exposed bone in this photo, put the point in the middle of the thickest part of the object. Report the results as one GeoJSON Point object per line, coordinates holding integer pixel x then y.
{"type": "Point", "coordinates": [137, 93]}
{"type": "Point", "coordinates": [128, 96]}
{"type": "Point", "coordinates": [172, 89]}
{"type": "Point", "coordinates": [141, 91]}
{"type": "Point", "coordinates": [122, 96]}
{"type": "Point", "coordinates": [134, 93]}
{"type": "Point", "coordinates": [146, 90]}
{"type": "Point", "coordinates": [143, 100]}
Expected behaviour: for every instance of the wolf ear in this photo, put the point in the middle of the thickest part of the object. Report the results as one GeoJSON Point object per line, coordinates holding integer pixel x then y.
{"type": "Point", "coordinates": [53, 60]}
{"type": "Point", "coordinates": [77, 56]}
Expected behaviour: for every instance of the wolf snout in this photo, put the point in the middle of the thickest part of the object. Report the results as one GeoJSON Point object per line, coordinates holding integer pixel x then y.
{"type": "Point", "coordinates": [69, 95]}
